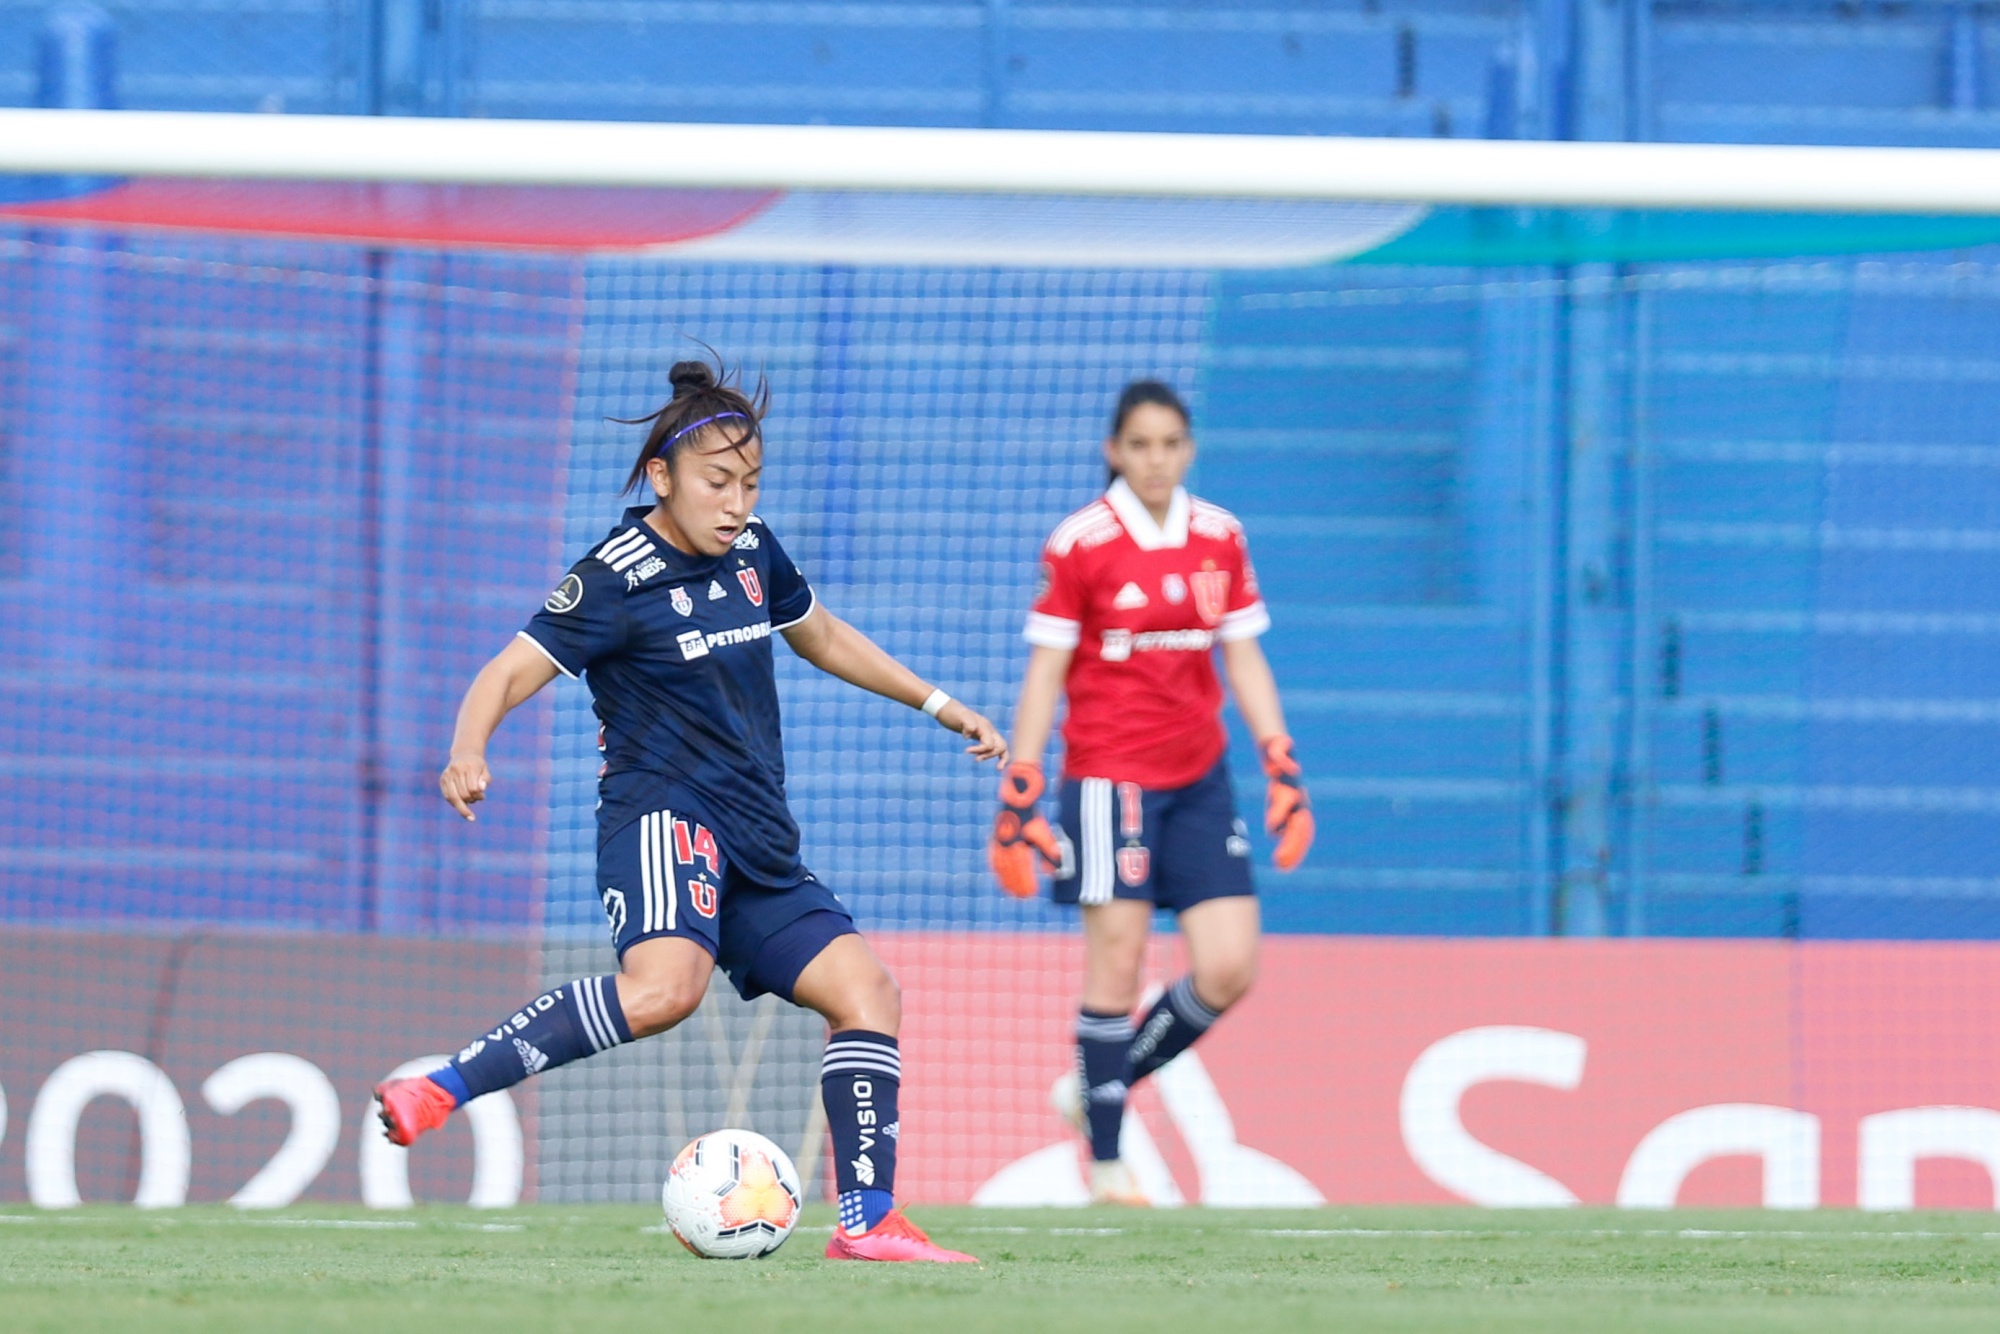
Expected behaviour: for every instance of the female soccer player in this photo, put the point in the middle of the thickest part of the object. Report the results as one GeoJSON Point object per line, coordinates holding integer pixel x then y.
{"type": "Point", "coordinates": [1136, 590]}
{"type": "Point", "coordinates": [669, 620]}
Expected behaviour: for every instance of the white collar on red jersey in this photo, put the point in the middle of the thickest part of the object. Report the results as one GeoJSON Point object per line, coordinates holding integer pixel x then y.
{"type": "Point", "coordinates": [1138, 520]}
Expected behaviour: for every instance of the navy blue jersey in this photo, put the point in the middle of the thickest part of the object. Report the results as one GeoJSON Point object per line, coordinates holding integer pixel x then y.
{"type": "Point", "coordinates": [676, 650]}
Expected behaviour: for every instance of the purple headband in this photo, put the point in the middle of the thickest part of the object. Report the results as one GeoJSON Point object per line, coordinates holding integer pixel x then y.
{"type": "Point", "coordinates": [696, 426]}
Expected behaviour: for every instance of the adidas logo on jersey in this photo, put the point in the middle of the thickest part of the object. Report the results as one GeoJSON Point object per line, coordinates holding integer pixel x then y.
{"type": "Point", "coordinates": [533, 1059]}
{"type": "Point", "coordinates": [716, 592]}
{"type": "Point", "coordinates": [1129, 598]}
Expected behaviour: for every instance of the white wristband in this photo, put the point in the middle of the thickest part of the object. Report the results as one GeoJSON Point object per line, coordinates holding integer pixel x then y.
{"type": "Point", "coordinates": [935, 702]}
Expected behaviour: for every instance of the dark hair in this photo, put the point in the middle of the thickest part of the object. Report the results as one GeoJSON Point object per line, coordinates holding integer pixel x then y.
{"type": "Point", "coordinates": [1147, 391]}
{"type": "Point", "coordinates": [703, 394]}
{"type": "Point", "coordinates": [1140, 392]}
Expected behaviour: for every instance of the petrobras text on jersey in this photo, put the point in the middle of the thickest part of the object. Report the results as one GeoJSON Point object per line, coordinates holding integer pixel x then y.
{"type": "Point", "coordinates": [1118, 645]}
{"type": "Point", "coordinates": [695, 644]}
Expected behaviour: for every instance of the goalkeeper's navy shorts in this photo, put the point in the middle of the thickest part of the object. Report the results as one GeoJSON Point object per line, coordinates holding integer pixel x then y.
{"type": "Point", "coordinates": [668, 875]}
{"type": "Point", "coordinates": [1172, 847]}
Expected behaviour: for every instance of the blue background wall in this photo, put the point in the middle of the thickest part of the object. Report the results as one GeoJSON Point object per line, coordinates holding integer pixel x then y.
{"type": "Point", "coordinates": [1650, 600]}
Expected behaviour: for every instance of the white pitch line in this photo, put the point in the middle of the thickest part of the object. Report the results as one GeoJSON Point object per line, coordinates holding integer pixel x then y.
{"type": "Point", "coordinates": [1689, 1234]}
{"type": "Point", "coordinates": [1044, 1231]}
{"type": "Point", "coordinates": [662, 1230]}
{"type": "Point", "coordinates": [1701, 1233]}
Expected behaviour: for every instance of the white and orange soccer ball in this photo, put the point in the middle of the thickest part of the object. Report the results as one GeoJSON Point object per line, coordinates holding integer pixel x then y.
{"type": "Point", "coordinates": [732, 1195]}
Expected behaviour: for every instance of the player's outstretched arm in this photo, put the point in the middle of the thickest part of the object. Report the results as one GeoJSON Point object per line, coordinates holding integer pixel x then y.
{"type": "Point", "coordinates": [838, 649]}
{"type": "Point", "coordinates": [1287, 814]}
{"type": "Point", "coordinates": [515, 673]}
{"type": "Point", "coordinates": [1020, 830]}
{"type": "Point", "coordinates": [1035, 711]}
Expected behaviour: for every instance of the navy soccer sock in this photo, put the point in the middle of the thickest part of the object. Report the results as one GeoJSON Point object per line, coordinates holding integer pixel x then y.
{"type": "Point", "coordinates": [860, 1079]}
{"type": "Point", "coordinates": [1104, 1068]}
{"type": "Point", "coordinates": [575, 1020]}
{"type": "Point", "coordinates": [1170, 1028]}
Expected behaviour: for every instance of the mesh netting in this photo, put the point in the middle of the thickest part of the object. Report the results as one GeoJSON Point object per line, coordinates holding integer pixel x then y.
{"type": "Point", "coordinates": [1615, 602]}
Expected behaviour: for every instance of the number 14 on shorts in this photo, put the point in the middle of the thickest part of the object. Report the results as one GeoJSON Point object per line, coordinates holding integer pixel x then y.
{"type": "Point", "coordinates": [675, 854]}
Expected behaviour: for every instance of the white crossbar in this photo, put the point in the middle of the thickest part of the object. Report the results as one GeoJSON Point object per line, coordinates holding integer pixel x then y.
{"type": "Point", "coordinates": [1041, 162]}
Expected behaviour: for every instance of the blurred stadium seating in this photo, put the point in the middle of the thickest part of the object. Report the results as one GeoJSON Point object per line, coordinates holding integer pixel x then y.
{"type": "Point", "coordinates": [1740, 684]}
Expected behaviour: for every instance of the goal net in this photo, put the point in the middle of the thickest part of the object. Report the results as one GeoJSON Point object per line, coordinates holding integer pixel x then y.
{"type": "Point", "coordinates": [1632, 576]}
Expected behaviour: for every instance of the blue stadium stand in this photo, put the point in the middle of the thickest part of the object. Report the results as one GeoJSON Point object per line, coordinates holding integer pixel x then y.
{"type": "Point", "coordinates": [1813, 661]}
{"type": "Point", "coordinates": [1826, 745]}
{"type": "Point", "coordinates": [1340, 435]}
{"type": "Point", "coordinates": [236, 636]}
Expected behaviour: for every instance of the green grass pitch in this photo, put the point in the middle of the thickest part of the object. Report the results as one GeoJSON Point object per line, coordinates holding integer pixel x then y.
{"type": "Point", "coordinates": [607, 1268]}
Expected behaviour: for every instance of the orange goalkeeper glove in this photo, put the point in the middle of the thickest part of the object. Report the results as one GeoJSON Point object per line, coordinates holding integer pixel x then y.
{"type": "Point", "coordinates": [1019, 832]}
{"type": "Point", "coordinates": [1288, 816]}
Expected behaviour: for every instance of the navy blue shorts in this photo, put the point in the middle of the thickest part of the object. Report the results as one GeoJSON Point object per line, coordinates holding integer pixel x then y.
{"type": "Point", "coordinates": [666, 875]}
{"type": "Point", "coordinates": [1173, 847]}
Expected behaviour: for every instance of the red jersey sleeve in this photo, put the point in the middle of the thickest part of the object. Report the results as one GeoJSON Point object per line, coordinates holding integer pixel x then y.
{"type": "Point", "coordinates": [1056, 620]}
{"type": "Point", "coordinates": [1247, 616]}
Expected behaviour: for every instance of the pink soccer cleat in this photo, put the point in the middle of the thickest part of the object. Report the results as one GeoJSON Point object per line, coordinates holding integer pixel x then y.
{"type": "Point", "coordinates": [411, 1107]}
{"type": "Point", "coordinates": [894, 1238]}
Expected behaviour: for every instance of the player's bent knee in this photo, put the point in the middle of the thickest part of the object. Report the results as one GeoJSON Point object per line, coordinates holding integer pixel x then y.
{"type": "Point", "coordinates": [874, 1003]}
{"type": "Point", "coordinates": [1223, 986]}
{"type": "Point", "coordinates": [654, 1005]}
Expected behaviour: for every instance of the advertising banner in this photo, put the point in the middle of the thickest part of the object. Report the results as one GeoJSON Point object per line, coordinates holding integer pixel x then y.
{"type": "Point", "coordinates": [1496, 1072]}
{"type": "Point", "coordinates": [1502, 1072]}
{"type": "Point", "coordinates": [210, 1066]}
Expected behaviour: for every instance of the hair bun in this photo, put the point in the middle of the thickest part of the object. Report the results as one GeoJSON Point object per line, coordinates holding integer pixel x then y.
{"type": "Point", "coordinates": [688, 377]}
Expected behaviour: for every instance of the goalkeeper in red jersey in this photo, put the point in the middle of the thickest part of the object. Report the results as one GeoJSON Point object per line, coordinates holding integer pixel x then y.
{"type": "Point", "coordinates": [1137, 589]}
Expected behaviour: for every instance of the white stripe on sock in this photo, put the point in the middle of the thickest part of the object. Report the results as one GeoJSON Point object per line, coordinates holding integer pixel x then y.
{"type": "Point", "coordinates": [1185, 1003]}
{"type": "Point", "coordinates": [863, 1049]}
{"type": "Point", "coordinates": [603, 1009]}
{"type": "Point", "coordinates": [845, 1067]}
{"type": "Point", "coordinates": [851, 1055]}
{"type": "Point", "coordinates": [579, 997]}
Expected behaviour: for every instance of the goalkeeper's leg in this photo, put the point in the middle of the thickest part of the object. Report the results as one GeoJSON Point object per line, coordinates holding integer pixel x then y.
{"type": "Point", "coordinates": [1202, 873]}
{"type": "Point", "coordinates": [1115, 936]}
{"type": "Point", "coordinates": [1221, 937]}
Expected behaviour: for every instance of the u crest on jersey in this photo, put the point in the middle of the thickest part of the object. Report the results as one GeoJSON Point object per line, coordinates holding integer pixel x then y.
{"type": "Point", "coordinates": [751, 587]}
{"type": "Point", "coordinates": [682, 602]}
{"type": "Point", "coordinates": [1211, 594]}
